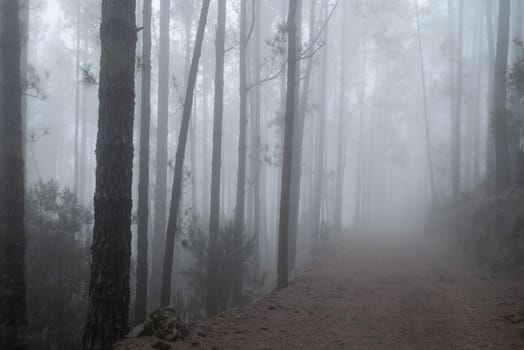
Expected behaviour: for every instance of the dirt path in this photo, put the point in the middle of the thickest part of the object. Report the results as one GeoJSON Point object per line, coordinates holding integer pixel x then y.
{"type": "Point", "coordinates": [372, 291]}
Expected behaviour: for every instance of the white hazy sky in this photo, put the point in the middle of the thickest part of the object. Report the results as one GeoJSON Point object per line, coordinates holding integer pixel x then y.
{"type": "Point", "coordinates": [52, 11]}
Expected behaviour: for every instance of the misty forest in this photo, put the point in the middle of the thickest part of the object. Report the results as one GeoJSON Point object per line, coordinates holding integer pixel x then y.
{"type": "Point", "coordinates": [261, 174]}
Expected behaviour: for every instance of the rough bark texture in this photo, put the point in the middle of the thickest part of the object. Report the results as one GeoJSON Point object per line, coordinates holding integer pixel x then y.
{"type": "Point", "coordinates": [13, 320]}
{"type": "Point", "coordinates": [111, 249]}
{"type": "Point", "coordinates": [160, 210]}
{"type": "Point", "coordinates": [176, 193]}
{"type": "Point", "coordinates": [283, 226]}
{"type": "Point", "coordinates": [143, 176]}
{"type": "Point", "coordinates": [500, 113]}
{"type": "Point", "coordinates": [214, 224]}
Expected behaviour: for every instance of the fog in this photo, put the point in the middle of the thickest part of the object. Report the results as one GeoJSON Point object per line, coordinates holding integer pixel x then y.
{"type": "Point", "coordinates": [393, 113]}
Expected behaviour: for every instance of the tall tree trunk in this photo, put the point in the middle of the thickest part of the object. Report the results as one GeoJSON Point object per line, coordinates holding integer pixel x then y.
{"type": "Point", "coordinates": [192, 128]}
{"type": "Point", "coordinates": [298, 136]}
{"type": "Point", "coordinates": [258, 169]}
{"type": "Point", "coordinates": [143, 180]}
{"type": "Point", "coordinates": [77, 101]}
{"type": "Point", "coordinates": [490, 151]}
{"type": "Point", "coordinates": [516, 120]}
{"type": "Point", "coordinates": [426, 113]}
{"type": "Point", "coordinates": [160, 204]}
{"type": "Point", "coordinates": [214, 224]}
{"type": "Point", "coordinates": [242, 147]}
{"type": "Point", "coordinates": [319, 154]}
{"type": "Point", "coordinates": [176, 193]}
{"type": "Point", "coordinates": [500, 113]}
{"type": "Point", "coordinates": [477, 111]}
{"type": "Point", "coordinates": [341, 138]}
{"type": "Point", "coordinates": [452, 87]}
{"type": "Point", "coordinates": [283, 227]}
{"type": "Point", "coordinates": [83, 138]}
{"type": "Point", "coordinates": [360, 155]}
{"type": "Point", "coordinates": [13, 319]}
{"type": "Point", "coordinates": [205, 157]}
{"type": "Point", "coordinates": [456, 121]}
{"type": "Point", "coordinates": [111, 249]}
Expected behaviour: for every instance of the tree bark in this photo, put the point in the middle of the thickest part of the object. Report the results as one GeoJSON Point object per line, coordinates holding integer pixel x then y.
{"type": "Point", "coordinates": [160, 204]}
{"type": "Point", "coordinates": [176, 193]}
{"type": "Point", "coordinates": [500, 113]}
{"type": "Point", "coordinates": [143, 180]}
{"type": "Point", "coordinates": [283, 227]}
{"type": "Point", "coordinates": [214, 224]}
{"type": "Point", "coordinates": [13, 319]}
{"type": "Point", "coordinates": [111, 249]}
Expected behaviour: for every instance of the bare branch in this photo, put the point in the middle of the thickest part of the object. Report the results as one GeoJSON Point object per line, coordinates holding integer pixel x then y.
{"type": "Point", "coordinates": [303, 57]}
{"type": "Point", "coordinates": [269, 78]}
{"type": "Point", "coordinates": [252, 22]}
{"type": "Point", "coordinates": [324, 25]}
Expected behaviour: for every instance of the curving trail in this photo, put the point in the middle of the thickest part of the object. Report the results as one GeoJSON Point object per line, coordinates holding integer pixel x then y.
{"type": "Point", "coordinates": [373, 291]}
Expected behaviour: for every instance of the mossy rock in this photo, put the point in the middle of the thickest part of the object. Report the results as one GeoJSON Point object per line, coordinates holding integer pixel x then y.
{"type": "Point", "coordinates": [165, 324]}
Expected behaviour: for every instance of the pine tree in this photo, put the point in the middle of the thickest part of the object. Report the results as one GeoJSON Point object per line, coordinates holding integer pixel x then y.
{"type": "Point", "coordinates": [143, 180]}
{"type": "Point", "coordinates": [176, 192]}
{"type": "Point", "coordinates": [13, 321]}
{"type": "Point", "coordinates": [283, 234]}
{"type": "Point", "coordinates": [214, 224]}
{"type": "Point", "coordinates": [500, 113]}
{"type": "Point", "coordinates": [111, 248]}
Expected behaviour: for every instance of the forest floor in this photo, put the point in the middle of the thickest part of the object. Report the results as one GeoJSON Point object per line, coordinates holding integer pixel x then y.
{"type": "Point", "coordinates": [373, 291]}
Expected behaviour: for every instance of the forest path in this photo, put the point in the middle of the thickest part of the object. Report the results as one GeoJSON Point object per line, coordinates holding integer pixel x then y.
{"type": "Point", "coordinates": [373, 291]}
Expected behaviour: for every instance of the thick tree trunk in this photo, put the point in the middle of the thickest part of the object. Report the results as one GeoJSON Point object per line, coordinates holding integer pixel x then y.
{"type": "Point", "coordinates": [500, 112]}
{"type": "Point", "coordinates": [160, 204]}
{"type": "Point", "coordinates": [143, 180]}
{"type": "Point", "coordinates": [176, 193]}
{"type": "Point", "coordinates": [13, 319]}
{"type": "Point", "coordinates": [111, 249]}
{"type": "Point", "coordinates": [214, 224]}
{"type": "Point", "coordinates": [283, 227]}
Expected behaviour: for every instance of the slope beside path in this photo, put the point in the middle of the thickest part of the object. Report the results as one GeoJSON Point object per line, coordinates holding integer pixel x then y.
{"type": "Point", "coordinates": [372, 291]}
